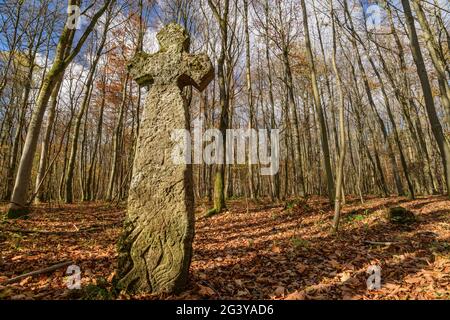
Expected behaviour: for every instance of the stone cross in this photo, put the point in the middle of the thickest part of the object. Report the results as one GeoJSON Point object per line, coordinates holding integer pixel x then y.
{"type": "Point", "coordinates": [155, 249]}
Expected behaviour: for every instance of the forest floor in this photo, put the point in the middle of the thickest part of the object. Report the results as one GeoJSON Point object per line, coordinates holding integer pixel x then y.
{"type": "Point", "coordinates": [264, 251]}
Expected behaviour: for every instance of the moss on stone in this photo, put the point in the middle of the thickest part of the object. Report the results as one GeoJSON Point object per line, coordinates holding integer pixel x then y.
{"type": "Point", "coordinates": [155, 248]}
{"type": "Point", "coordinates": [17, 213]}
{"type": "Point", "coordinates": [400, 215]}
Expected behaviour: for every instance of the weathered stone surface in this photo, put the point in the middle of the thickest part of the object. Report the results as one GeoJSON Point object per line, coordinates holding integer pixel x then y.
{"type": "Point", "coordinates": [155, 249]}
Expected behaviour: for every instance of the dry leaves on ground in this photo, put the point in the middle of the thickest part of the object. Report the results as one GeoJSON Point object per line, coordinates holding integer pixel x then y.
{"type": "Point", "coordinates": [266, 251]}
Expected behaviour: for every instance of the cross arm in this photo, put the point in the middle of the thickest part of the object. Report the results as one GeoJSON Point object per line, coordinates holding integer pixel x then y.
{"type": "Point", "coordinates": [198, 71]}
{"type": "Point", "coordinates": [136, 67]}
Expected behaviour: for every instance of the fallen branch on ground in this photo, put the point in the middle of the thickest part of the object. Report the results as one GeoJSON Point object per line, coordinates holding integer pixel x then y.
{"type": "Point", "coordinates": [40, 271]}
{"type": "Point", "coordinates": [92, 228]}
{"type": "Point", "coordinates": [382, 243]}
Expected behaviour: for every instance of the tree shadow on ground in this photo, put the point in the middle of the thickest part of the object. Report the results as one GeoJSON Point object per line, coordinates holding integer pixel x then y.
{"type": "Point", "coordinates": [319, 264]}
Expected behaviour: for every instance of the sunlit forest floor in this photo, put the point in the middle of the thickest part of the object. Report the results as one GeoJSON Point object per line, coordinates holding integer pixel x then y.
{"type": "Point", "coordinates": [255, 251]}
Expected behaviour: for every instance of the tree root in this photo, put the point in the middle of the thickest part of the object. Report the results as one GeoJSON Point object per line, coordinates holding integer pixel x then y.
{"type": "Point", "coordinates": [211, 212]}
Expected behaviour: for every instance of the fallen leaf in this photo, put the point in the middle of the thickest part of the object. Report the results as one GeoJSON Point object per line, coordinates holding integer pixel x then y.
{"type": "Point", "coordinates": [279, 291]}
{"type": "Point", "coordinates": [334, 263]}
{"type": "Point", "coordinates": [345, 276]}
{"type": "Point", "coordinates": [25, 281]}
{"type": "Point", "coordinates": [296, 295]}
{"type": "Point", "coordinates": [300, 267]}
{"type": "Point", "coordinates": [206, 291]}
{"type": "Point", "coordinates": [111, 276]}
{"type": "Point", "coordinates": [276, 249]}
{"type": "Point", "coordinates": [413, 280]}
{"type": "Point", "coordinates": [391, 286]}
{"type": "Point", "coordinates": [241, 293]}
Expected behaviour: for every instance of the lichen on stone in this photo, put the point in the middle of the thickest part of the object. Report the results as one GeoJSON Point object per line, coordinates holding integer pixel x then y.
{"type": "Point", "coordinates": [156, 246]}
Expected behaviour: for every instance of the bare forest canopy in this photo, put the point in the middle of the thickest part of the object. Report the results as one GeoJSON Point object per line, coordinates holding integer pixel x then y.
{"type": "Point", "coordinates": [395, 137]}
{"type": "Point", "coordinates": [74, 126]}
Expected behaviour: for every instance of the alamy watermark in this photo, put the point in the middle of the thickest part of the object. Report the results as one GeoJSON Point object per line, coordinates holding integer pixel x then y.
{"type": "Point", "coordinates": [74, 277]}
{"type": "Point", "coordinates": [73, 17]}
{"type": "Point", "coordinates": [242, 146]}
{"type": "Point", "coordinates": [374, 280]}
{"type": "Point", "coordinates": [374, 16]}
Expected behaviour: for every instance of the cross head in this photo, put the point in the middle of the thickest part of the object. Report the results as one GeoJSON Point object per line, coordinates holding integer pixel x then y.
{"type": "Point", "coordinates": [172, 64]}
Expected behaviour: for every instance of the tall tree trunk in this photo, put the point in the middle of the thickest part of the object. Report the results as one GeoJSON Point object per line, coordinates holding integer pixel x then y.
{"type": "Point", "coordinates": [380, 122]}
{"type": "Point", "coordinates": [98, 136]}
{"type": "Point", "coordinates": [45, 146]}
{"type": "Point", "coordinates": [437, 57]}
{"type": "Point", "coordinates": [436, 127]}
{"type": "Point", "coordinates": [117, 142]}
{"type": "Point", "coordinates": [18, 202]}
{"type": "Point", "coordinates": [249, 93]}
{"type": "Point", "coordinates": [404, 98]}
{"type": "Point", "coordinates": [15, 147]}
{"type": "Point", "coordinates": [80, 115]}
{"type": "Point", "coordinates": [342, 144]}
{"type": "Point", "coordinates": [317, 102]}
{"type": "Point", "coordinates": [219, 181]}
{"type": "Point", "coordinates": [396, 135]}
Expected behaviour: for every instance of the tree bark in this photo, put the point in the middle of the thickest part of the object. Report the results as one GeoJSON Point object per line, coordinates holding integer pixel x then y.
{"type": "Point", "coordinates": [436, 126]}
{"type": "Point", "coordinates": [317, 102]}
{"type": "Point", "coordinates": [18, 201]}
